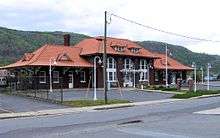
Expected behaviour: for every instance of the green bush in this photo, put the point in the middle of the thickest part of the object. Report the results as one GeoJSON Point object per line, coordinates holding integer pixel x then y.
{"type": "Point", "coordinates": [195, 94]}
{"type": "Point", "coordinates": [160, 87]}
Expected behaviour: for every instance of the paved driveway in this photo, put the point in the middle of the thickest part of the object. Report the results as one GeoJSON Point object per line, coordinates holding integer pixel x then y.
{"type": "Point", "coordinates": [126, 94]}
{"type": "Point", "coordinates": [21, 104]}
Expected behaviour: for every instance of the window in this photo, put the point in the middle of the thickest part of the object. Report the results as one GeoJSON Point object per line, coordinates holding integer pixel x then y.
{"type": "Point", "coordinates": [42, 76]}
{"type": "Point", "coordinates": [143, 64]}
{"type": "Point", "coordinates": [156, 76]}
{"type": "Point", "coordinates": [111, 76]}
{"type": "Point", "coordinates": [127, 63]}
{"type": "Point", "coordinates": [143, 68]}
{"type": "Point", "coordinates": [143, 76]}
{"type": "Point", "coordinates": [119, 48]}
{"type": "Point", "coordinates": [55, 76]}
{"type": "Point", "coordinates": [82, 76]}
{"type": "Point", "coordinates": [111, 63]}
{"type": "Point", "coordinates": [164, 76]}
{"type": "Point", "coordinates": [135, 50]}
{"type": "Point", "coordinates": [111, 70]}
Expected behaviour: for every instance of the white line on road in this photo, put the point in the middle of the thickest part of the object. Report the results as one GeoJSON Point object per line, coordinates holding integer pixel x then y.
{"type": "Point", "coordinates": [215, 111]}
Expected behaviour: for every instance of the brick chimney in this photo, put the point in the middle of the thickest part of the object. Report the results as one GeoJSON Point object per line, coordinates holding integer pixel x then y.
{"type": "Point", "coordinates": [66, 39]}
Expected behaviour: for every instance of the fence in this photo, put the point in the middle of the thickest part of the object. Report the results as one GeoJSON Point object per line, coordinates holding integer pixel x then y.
{"type": "Point", "coordinates": [31, 87]}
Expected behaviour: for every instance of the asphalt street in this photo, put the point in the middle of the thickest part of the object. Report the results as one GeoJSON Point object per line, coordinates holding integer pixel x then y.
{"type": "Point", "coordinates": [167, 120]}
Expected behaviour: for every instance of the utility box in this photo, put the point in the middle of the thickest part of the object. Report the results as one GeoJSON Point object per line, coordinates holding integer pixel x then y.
{"type": "Point", "coordinates": [190, 84]}
{"type": "Point", "coordinates": [179, 84]}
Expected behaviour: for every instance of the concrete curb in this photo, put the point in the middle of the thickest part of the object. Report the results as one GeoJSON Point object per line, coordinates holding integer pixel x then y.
{"type": "Point", "coordinates": [159, 91]}
{"type": "Point", "coordinates": [83, 109]}
{"type": "Point", "coordinates": [205, 96]}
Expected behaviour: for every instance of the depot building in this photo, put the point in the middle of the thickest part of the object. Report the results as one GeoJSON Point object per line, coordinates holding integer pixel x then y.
{"type": "Point", "coordinates": [128, 65]}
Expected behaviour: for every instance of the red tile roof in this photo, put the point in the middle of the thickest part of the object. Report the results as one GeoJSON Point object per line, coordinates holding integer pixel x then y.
{"type": "Point", "coordinates": [71, 56]}
{"type": "Point", "coordinates": [94, 46]}
{"type": "Point", "coordinates": [42, 56]}
{"type": "Point", "coordinates": [172, 64]}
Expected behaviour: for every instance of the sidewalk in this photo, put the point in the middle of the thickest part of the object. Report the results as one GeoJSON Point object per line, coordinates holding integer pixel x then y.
{"type": "Point", "coordinates": [83, 109]}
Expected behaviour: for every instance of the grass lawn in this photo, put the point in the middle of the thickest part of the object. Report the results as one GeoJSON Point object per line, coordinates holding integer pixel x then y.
{"type": "Point", "coordinates": [83, 103]}
{"type": "Point", "coordinates": [159, 87]}
{"type": "Point", "coordinates": [194, 94]}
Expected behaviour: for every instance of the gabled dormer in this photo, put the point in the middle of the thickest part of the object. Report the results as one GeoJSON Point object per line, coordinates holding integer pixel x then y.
{"type": "Point", "coordinates": [118, 47]}
{"type": "Point", "coordinates": [135, 50]}
{"type": "Point", "coordinates": [63, 57]}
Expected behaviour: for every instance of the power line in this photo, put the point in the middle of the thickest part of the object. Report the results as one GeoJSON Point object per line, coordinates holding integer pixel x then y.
{"type": "Point", "coordinates": [163, 31]}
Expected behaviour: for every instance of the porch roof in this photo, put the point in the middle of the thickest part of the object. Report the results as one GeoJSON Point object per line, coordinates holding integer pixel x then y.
{"type": "Point", "coordinates": [63, 55]}
{"type": "Point", "coordinates": [172, 64]}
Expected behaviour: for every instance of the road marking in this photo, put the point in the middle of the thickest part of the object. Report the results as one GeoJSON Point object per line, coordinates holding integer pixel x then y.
{"type": "Point", "coordinates": [215, 111]}
{"type": "Point", "coordinates": [136, 131]}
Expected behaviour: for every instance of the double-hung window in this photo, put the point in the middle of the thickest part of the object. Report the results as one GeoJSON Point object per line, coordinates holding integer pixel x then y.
{"type": "Point", "coordinates": [56, 77]}
{"type": "Point", "coordinates": [127, 63]}
{"type": "Point", "coordinates": [42, 77]}
{"type": "Point", "coordinates": [143, 69]}
{"type": "Point", "coordinates": [82, 76]}
{"type": "Point", "coordinates": [111, 70]}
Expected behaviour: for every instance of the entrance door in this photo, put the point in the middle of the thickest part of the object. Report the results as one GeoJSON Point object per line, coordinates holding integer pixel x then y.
{"type": "Point", "coordinates": [128, 80]}
{"type": "Point", "coordinates": [71, 80]}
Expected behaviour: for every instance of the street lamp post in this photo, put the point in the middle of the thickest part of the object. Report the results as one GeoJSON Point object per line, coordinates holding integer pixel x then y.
{"type": "Point", "coordinates": [208, 67]}
{"type": "Point", "coordinates": [202, 75]}
{"type": "Point", "coordinates": [194, 66]}
{"type": "Point", "coordinates": [148, 74]}
{"type": "Point", "coordinates": [50, 72]}
{"type": "Point", "coordinates": [97, 57]}
{"type": "Point", "coordinates": [166, 68]}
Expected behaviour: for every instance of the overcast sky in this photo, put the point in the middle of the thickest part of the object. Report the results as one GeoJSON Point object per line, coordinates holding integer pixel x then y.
{"type": "Point", "coordinates": [198, 18]}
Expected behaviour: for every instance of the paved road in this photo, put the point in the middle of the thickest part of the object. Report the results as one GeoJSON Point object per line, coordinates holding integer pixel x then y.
{"type": "Point", "coordinates": [22, 104]}
{"type": "Point", "coordinates": [170, 120]}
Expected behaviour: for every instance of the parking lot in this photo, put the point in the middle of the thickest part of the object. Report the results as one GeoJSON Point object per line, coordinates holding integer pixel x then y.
{"type": "Point", "coordinates": [213, 85]}
{"type": "Point", "coordinates": [14, 103]}
{"type": "Point", "coordinates": [132, 95]}
{"type": "Point", "coordinates": [11, 103]}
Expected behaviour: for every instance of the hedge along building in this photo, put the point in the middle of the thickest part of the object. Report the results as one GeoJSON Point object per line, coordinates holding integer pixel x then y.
{"type": "Point", "coordinates": [128, 64]}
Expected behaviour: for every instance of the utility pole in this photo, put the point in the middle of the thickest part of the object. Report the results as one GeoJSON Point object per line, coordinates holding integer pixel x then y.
{"type": "Point", "coordinates": [105, 59]}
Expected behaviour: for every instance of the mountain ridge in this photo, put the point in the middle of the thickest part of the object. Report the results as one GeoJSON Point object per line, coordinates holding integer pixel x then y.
{"type": "Point", "coordinates": [14, 43]}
